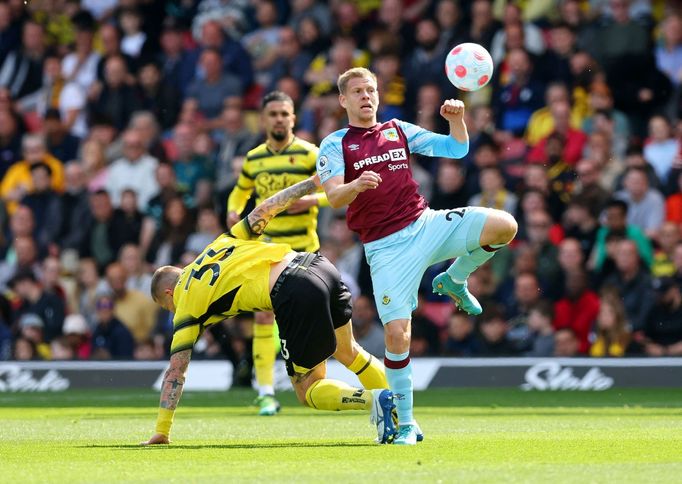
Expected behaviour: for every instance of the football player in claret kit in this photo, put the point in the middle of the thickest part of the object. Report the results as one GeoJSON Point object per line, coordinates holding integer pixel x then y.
{"type": "Point", "coordinates": [279, 162]}
{"type": "Point", "coordinates": [367, 167]}
{"type": "Point", "coordinates": [312, 305]}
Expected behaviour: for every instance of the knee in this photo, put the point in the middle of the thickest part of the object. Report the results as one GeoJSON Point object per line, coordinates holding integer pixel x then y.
{"type": "Point", "coordinates": [504, 227]}
{"type": "Point", "coordinates": [300, 394]}
{"type": "Point", "coordinates": [346, 354]}
{"type": "Point", "coordinates": [397, 338]}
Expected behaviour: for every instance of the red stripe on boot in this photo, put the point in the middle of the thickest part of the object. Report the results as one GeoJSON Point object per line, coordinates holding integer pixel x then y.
{"type": "Point", "coordinates": [396, 365]}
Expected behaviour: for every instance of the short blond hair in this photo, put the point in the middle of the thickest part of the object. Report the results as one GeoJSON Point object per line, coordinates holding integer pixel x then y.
{"type": "Point", "coordinates": [351, 74]}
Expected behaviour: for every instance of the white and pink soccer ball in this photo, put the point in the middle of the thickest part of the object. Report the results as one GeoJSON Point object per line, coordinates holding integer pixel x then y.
{"type": "Point", "coordinates": [469, 66]}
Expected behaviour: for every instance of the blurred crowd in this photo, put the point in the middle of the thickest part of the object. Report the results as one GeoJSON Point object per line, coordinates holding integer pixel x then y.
{"type": "Point", "coordinates": [124, 125]}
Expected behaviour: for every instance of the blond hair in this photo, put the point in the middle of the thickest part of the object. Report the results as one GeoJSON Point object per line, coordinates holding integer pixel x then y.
{"type": "Point", "coordinates": [351, 74]}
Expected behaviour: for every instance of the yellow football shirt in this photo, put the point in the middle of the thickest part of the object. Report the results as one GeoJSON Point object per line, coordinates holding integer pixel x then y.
{"type": "Point", "coordinates": [269, 172]}
{"type": "Point", "coordinates": [230, 276]}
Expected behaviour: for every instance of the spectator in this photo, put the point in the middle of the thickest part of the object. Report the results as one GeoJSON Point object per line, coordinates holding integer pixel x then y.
{"type": "Point", "coordinates": [110, 38]}
{"type": "Point", "coordinates": [493, 331]}
{"type": "Point", "coordinates": [661, 148]}
{"type": "Point", "coordinates": [461, 340]}
{"type": "Point", "coordinates": [673, 204]}
{"type": "Point", "coordinates": [80, 66]}
{"type": "Point", "coordinates": [646, 206]}
{"type": "Point", "coordinates": [130, 257]}
{"type": "Point", "coordinates": [367, 327]}
{"type": "Point", "coordinates": [577, 309]}
{"type": "Point", "coordinates": [663, 330]}
{"type": "Point", "coordinates": [538, 225]}
{"type": "Point", "coordinates": [301, 9]}
{"type": "Point", "coordinates": [190, 167]}
{"type": "Point", "coordinates": [135, 310]}
{"type": "Point", "coordinates": [208, 228]}
{"type": "Point", "coordinates": [579, 223]}
{"type": "Point", "coordinates": [116, 99]}
{"type": "Point", "coordinates": [425, 62]}
{"type": "Point", "coordinates": [262, 43]}
{"type": "Point", "coordinates": [211, 91]}
{"type": "Point", "coordinates": [158, 96]}
{"type": "Point", "coordinates": [74, 207]}
{"type": "Point", "coordinates": [565, 343]}
{"type": "Point", "coordinates": [573, 139]}
{"type": "Point", "coordinates": [290, 61]}
{"type": "Point", "coordinates": [89, 286]}
{"type": "Point", "coordinates": [540, 319]}
{"type": "Point", "coordinates": [10, 139]}
{"type": "Point", "coordinates": [60, 350]}
{"type": "Point", "coordinates": [515, 102]}
{"type": "Point", "coordinates": [102, 239]}
{"type": "Point", "coordinates": [633, 283]}
{"type": "Point", "coordinates": [146, 125]}
{"type": "Point", "coordinates": [134, 39]}
{"type": "Point", "coordinates": [32, 328]}
{"type": "Point", "coordinates": [541, 123]}
{"type": "Point", "coordinates": [666, 240]}
{"type": "Point", "coordinates": [449, 189]}
{"type": "Point", "coordinates": [601, 100]}
{"type": "Point", "coordinates": [62, 144]}
{"type": "Point", "coordinates": [169, 241]}
{"type": "Point", "coordinates": [493, 193]}
{"type": "Point", "coordinates": [111, 340]}
{"type": "Point", "coordinates": [483, 24]}
{"type": "Point", "coordinates": [615, 223]}
{"type": "Point", "coordinates": [22, 70]}
{"type": "Point", "coordinates": [17, 181]}
{"type": "Point", "coordinates": [77, 336]}
{"type": "Point", "coordinates": [48, 307]}
{"type": "Point", "coordinates": [669, 51]}
{"type": "Point", "coordinates": [45, 205]}
{"type": "Point", "coordinates": [234, 140]}
{"type": "Point", "coordinates": [588, 189]}
{"type": "Point", "coordinates": [134, 171]}
{"type": "Point", "coordinates": [611, 327]}
{"type": "Point", "coordinates": [24, 350]}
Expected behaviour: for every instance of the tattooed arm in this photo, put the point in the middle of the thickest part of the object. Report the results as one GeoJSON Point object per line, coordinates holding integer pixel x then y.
{"type": "Point", "coordinates": [171, 390]}
{"type": "Point", "coordinates": [266, 210]}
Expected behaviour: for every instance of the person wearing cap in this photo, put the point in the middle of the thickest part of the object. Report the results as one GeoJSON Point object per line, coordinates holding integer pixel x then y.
{"type": "Point", "coordinates": [77, 335]}
{"type": "Point", "coordinates": [32, 328]}
{"type": "Point", "coordinates": [48, 307]}
{"type": "Point", "coordinates": [110, 339]}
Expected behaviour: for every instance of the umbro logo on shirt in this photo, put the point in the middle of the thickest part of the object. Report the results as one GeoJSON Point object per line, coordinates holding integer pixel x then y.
{"type": "Point", "coordinates": [353, 147]}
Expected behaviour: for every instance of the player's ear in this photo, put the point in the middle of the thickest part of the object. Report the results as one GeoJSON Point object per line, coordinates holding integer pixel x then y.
{"type": "Point", "coordinates": [342, 101]}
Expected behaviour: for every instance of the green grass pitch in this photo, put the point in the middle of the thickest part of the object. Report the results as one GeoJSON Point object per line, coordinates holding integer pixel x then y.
{"type": "Point", "coordinates": [471, 436]}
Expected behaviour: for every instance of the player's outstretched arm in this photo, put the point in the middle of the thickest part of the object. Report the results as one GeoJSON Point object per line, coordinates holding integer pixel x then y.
{"type": "Point", "coordinates": [341, 194]}
{"type": "Point", "coordinates": [171, 390]}
{"type": "Point", "coordinates": [260, 216]}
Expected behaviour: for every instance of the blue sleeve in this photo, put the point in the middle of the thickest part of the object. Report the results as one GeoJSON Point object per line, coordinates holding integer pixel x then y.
{"type": "Point", "coordinates": [424, 142]}
{"type": "Point", "coordinates": [330, 158]}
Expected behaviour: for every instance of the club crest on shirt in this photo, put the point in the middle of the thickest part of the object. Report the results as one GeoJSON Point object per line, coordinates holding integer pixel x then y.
{"type": "Point", "coordinates": [353, 147]}
{"type": "Point", "coordinates": [386, 300]}
{"type": "Point", "coordinates": [391, 134]}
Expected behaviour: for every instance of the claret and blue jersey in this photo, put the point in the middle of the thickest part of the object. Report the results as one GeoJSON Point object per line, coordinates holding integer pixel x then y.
{"type": "Point", "coordinates": [385, 149]}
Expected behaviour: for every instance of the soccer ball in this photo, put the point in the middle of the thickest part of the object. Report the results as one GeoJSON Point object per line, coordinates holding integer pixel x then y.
{"type": "Point", "coordinates": [469, 66]}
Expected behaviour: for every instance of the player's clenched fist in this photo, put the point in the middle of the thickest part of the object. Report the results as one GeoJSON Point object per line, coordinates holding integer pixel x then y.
{"type": "Point", "coordinates": [452, 109]}
{"type": "Point", "coordinates": [368, 180]}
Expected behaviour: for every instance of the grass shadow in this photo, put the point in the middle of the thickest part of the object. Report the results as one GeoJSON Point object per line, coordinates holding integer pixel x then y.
{"type": "Point", "coordinates": [228, 446]}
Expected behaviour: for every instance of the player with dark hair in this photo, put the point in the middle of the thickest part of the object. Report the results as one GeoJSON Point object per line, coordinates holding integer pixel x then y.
{"type": "Point", "coordinates": [366, 166]}
{"type": "Point", "coordinates": [270, 167]}
{"type": "Point", "coordinates": [313, 307]}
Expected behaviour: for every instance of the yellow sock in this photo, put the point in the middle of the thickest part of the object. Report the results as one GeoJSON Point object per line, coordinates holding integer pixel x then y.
{"type": "Point", "coordinates": [328, 394]}
{"type": "Point", "coordinates": [370, 371]}
{"type": "Point", "coordinates": [264, 355]}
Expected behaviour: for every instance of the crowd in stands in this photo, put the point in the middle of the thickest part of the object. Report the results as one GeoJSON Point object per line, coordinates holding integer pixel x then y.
{"type": "Point", "coordinates": [124, 124]}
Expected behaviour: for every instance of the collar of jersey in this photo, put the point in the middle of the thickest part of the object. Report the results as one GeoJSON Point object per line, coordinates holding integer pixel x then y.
{"type": "Point", "coordinates": [283, 150]}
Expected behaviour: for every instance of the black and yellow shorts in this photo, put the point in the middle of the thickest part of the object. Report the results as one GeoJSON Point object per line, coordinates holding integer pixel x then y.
{"type": "Point", "coordinates": [310, 301]}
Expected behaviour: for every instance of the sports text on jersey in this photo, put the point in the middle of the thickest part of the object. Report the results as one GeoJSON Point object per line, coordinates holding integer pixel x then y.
{"type": "Point", "coordinates": [392, 155]}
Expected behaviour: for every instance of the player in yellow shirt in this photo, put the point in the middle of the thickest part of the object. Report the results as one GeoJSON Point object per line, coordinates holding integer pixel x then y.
{"type": "Point", "coordinates": [270, 167]}
{"type": "Point", "coordinates": [312, 305]}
